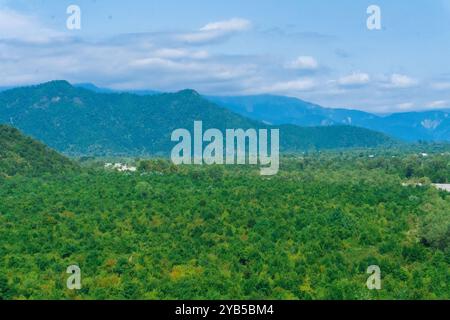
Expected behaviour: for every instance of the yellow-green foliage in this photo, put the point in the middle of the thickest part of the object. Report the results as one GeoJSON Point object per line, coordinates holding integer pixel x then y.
{"type": "Point", "coordinates": [224, 233]}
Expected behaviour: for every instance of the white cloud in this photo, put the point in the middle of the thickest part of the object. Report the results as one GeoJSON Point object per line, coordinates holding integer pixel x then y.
{"type": "Point", "coordinates": [289, 86]}
{"type": "Point", "coordinates": [235, 24]}
{"type": "Point", "coordinates": [19, 27]}
{"type": "Point", "coordinates": [441, 85]}
{"type": "Point", "coordinates": [354, 79]}
{"type": "Point", "coordinates": [179, 53]}
{"type": "Point", "coordinates": [33, 53]}
{"type": "Point", "coordinates": [401, 81]}
{"type": "Point", "coordinates": [303, 63]}
{"type": "Point", "coordinates": [405, 105]}
{"type": "Point", "coordinates": [438, 104]}
{"type": "Point", "coordinates": [216, 30]}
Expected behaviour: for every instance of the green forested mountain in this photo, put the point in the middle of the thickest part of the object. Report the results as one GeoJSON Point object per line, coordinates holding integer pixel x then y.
{"type": "Point", "coordinates": [22, 155]}
{"type": "Point", "coordinates": [79, 121]}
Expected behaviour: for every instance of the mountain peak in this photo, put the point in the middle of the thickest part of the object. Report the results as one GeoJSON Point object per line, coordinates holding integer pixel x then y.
{"type": "Point", "coordinates": [54, 86]}
{"type": "Point", "coordinates": [61, 84]}
{"type": "Point", "coordinates": [189, 92]}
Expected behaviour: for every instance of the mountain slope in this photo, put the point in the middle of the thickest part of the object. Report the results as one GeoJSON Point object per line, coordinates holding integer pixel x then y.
{"type": "Point", "coordinates": [414, 126]}
{"type": "Point", "coordinates": [78, 121]}
{"type": "Point", "coordinates": [22, 155]}
{"type": "Point", "coordinates": [411, 126]}
{"type": "Point", "coordinates": [283, 110]}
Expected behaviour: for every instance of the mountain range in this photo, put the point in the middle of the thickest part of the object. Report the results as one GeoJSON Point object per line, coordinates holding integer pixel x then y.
{"type": "Point", "coordinates": [77, 120]}
{"type": "Point", "coordinates": [408, 126]}
{"type": "Point", "coordinates": [432, 125]}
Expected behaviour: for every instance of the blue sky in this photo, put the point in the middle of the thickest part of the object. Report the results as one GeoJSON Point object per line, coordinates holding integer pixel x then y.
{"type": "Point", "coordinates": [319, 50]}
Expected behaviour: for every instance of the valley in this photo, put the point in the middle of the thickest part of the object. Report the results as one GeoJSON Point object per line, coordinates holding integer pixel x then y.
{"type": "Point", "coordinates": [139, 226]}
{"type": "Point", "coordinates": [209, 232]}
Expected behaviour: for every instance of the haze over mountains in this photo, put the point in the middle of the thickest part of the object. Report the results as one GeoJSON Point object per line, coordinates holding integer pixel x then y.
{"type": "Point", "coordinates": [81, 121]}
{"type": "Point", "coordinates": [408, 126]}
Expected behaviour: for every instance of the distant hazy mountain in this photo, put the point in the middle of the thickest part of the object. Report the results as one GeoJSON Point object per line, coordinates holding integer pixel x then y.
{"type": "Point", "coordinates": [80, 121]}
{"type": "Point", "coordinates": [5, 88]}
{"type": "Point", "coordinates": [411, 126]}
{"type": "Point", "coordinates": [22, 155]}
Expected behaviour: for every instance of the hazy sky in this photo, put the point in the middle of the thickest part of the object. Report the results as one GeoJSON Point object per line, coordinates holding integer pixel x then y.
{"type": "Point", "coordinates": [317, 50]}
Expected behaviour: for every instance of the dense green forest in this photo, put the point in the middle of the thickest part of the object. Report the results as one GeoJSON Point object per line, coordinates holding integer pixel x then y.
{"type": "Point", "coordinates": [21, 154]}
{"type": "Point", "coordinates": [225, 232]}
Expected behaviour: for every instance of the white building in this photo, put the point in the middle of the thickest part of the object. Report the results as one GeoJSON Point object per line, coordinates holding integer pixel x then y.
{"type": "Point", "coordinates": [121, 167]}
{"type": "Point", "coordinates": [444, 187]}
